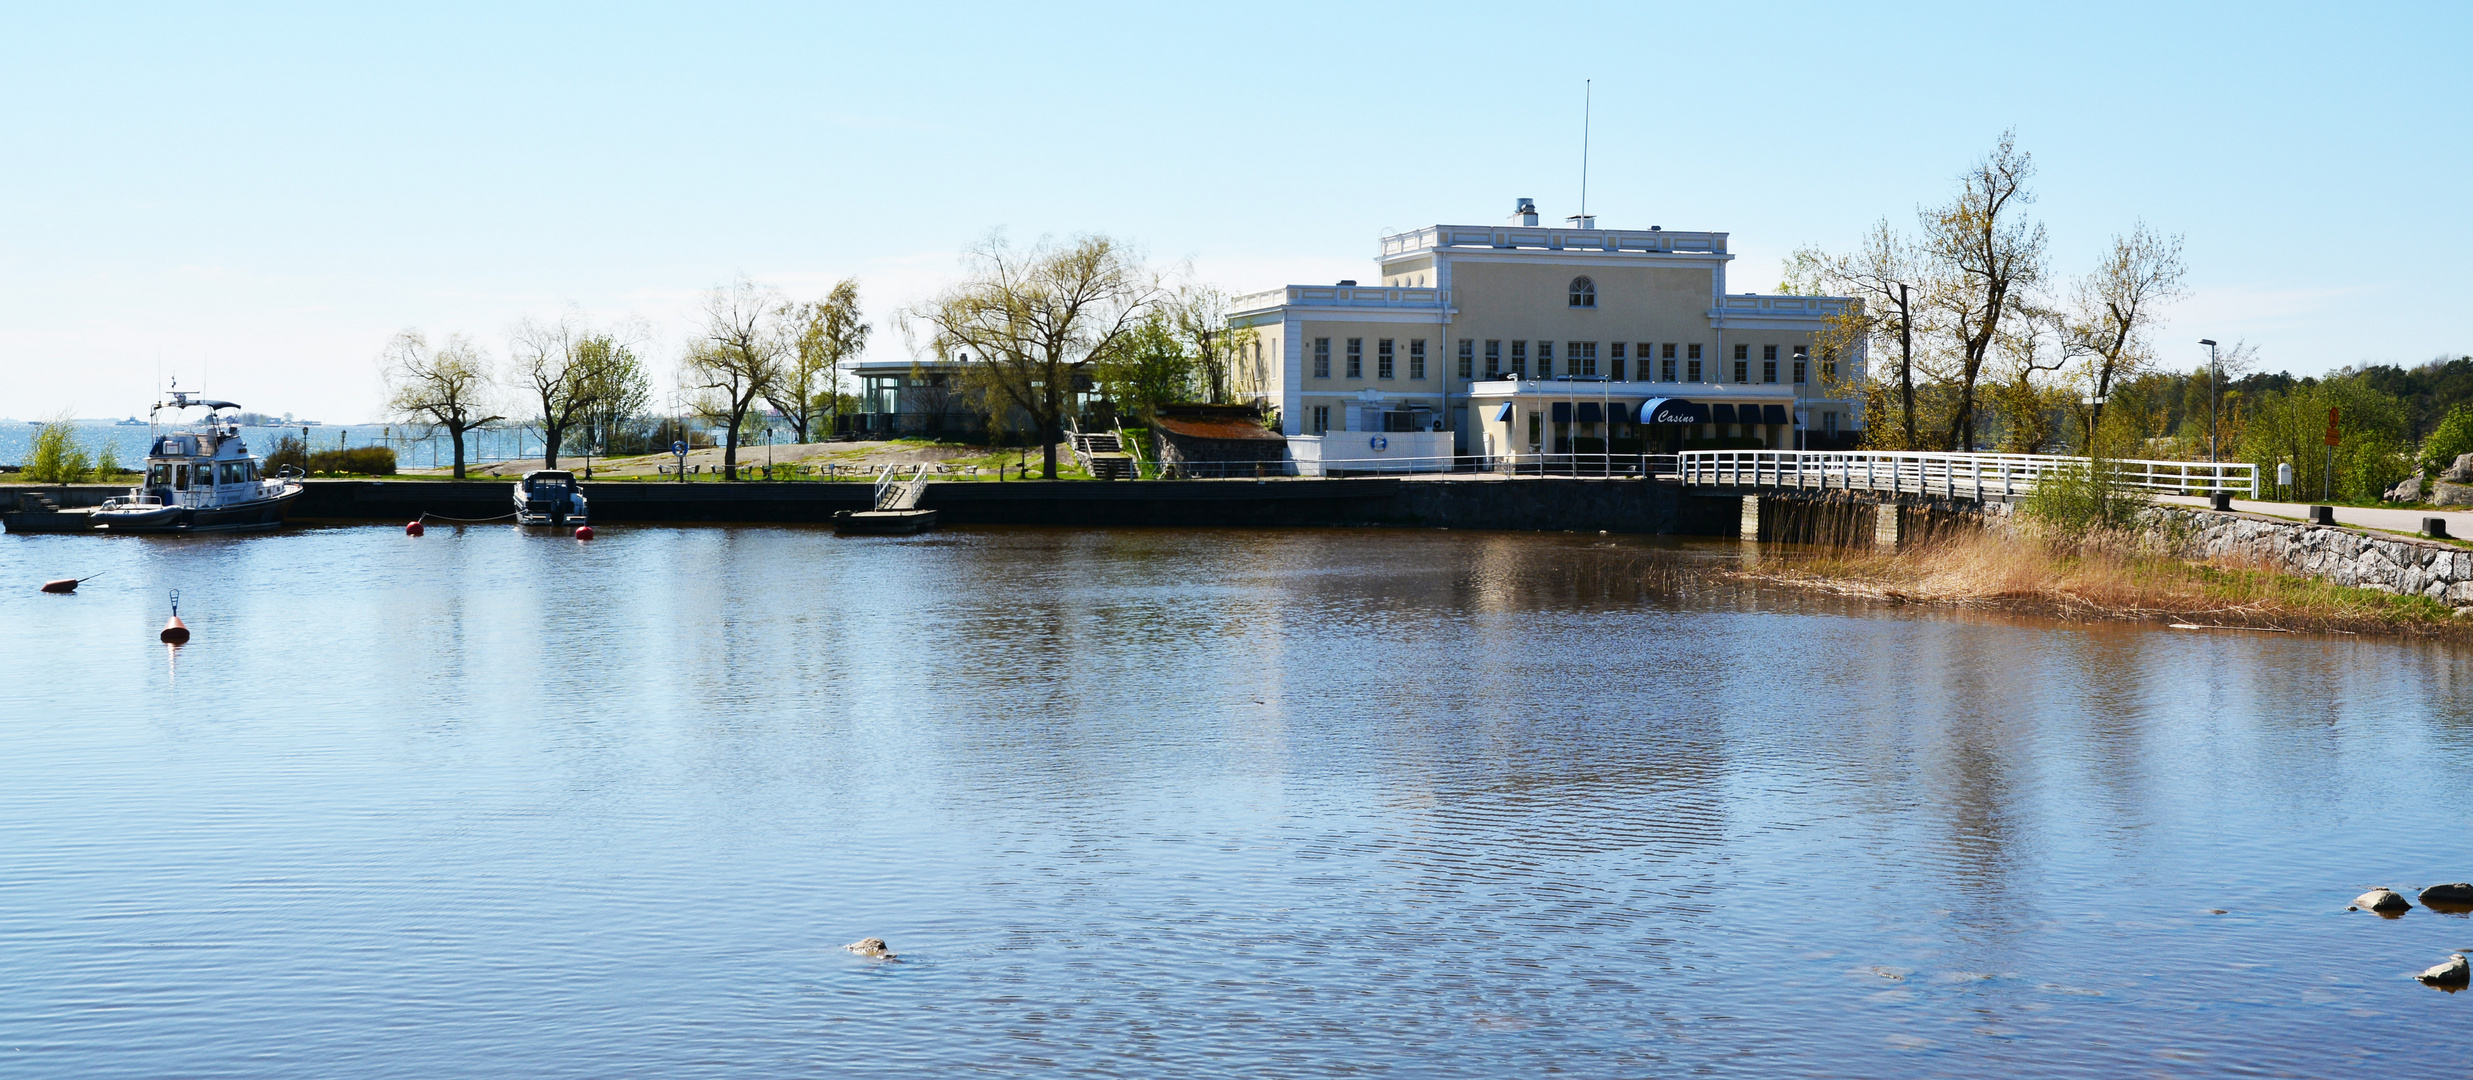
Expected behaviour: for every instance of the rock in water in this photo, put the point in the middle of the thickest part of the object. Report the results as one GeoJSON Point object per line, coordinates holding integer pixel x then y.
{"type": "Point", "coordinates": [2451, 973]}
{"type": "Point", "coordinates": [2457, 894]}
{"type": "Point", "coordinates": [2383, 901]}
{"type": "Point", "coordinates": [875, 947]}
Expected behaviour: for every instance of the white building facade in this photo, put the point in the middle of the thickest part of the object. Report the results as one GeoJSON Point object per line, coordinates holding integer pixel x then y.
{"type": "Point", "coordinates": [1525, 340]}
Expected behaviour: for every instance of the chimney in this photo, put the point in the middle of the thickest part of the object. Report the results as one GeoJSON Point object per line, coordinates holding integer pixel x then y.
{"type": "Point", "coordinates": [1525, 212]}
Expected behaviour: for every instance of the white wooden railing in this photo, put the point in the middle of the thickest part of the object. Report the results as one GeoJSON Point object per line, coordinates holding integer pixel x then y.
{"type": "Point", "coordinates": [1972, 476]}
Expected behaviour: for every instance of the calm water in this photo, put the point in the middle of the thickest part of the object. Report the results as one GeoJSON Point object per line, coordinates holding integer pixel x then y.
{"type": "Point", "coordinates": [1137, 803]}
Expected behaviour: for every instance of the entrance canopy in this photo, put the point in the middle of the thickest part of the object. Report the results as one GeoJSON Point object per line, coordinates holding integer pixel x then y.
{"type": "Point", "coordinates": [1673, 411]}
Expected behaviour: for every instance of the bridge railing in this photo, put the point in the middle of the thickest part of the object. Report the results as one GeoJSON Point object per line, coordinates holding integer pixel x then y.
{"type": "Point", "coordinates": [1975, 476]}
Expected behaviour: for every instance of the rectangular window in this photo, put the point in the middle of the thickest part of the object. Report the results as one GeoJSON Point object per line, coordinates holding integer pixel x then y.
{"type": "Point", "coordinates": [1545, 359]}
{"type": "Point", "coordinates": [1695, 351]}
{"type": "Point", "coordinates": [1322, 419]}
{"type": "Point", "coordinates": [1768, 352]}
{"type": "Point", "coordinates": [1416, 358]}
{"type": "Point", "coordinates": [1743, 352]}
{"type": "Point", "coordinates": [1519, 359]}
{"type": "Point", "coordinates": [1356, 358]}
{"type": "Point", "coordinates": [1768, 371]}
{"type": "Point", "coordinates": [1693, 372]}
{"type": "Point", "coordinates": [1468, 359]}
{"type": "Point", "coordinates": [1322, 358]}
{"type": "Point", "coordinates": [1382, 358]}
{"type": "Point", "coordinates": [1614, 362]}
{"type": "Point", "coordinates": [1743, 371]}
{"type": "Point", "coordinates": [1580, 358]}
{"type": "Point", "coordinates": [1670, 351]}
{"type": "Point", "coordinates": [1665, 368]}
{"type": "Point", "coordinates": [1829, 424]}
{"type": "Point", "coordinates": [1494, 359]}
{"type": "Point", "coordinates": [1798, 372]}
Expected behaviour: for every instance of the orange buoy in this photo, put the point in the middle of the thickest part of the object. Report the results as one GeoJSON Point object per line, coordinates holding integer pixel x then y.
{"type": "Point", "coordinates": [175, 632]}
{"type": "Point", "coordinates": [414, 529]}
{"type": "Point", "coordinates": [583, 532]}
{"type": "Point", "coordinates": [66, 584]}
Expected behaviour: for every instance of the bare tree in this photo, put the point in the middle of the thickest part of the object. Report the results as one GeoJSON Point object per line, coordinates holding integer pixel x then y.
{"type": "Point", "coordinates": [739, 359]}
{"type": "Point", "coordinates": [1987, 259]}
{"type": "Point", "coordinates": [448, 387]}
{"type": "Point", "coordinates": [1199, 314]}
{"type": "Point", "coordinates": [1880, 274]}
{"type": "Point", "coordinates": [1032, 322]}
{"type": "Point", "coordinates": [551, 365]}
{"type": "Point", "coordinates": [2113, 310]}
{"type": "Point", "coordinates": [822, 336]}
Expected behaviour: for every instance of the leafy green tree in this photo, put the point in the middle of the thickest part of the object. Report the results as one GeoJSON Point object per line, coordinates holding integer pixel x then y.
{"type": "Point", "coordinates": [2451, 439]}
{"type": "Point", "coordinates": [448, 386]}
{"type": "Point", "coordinates": [822, 336]}
{"type": "Point", "coordinates": [1148, 368]}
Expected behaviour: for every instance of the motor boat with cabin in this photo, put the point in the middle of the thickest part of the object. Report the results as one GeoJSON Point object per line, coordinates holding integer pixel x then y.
{"type": "Point", "coordinates": [200, 479]}
{"type": "Point", "coordinates": [549, 497]}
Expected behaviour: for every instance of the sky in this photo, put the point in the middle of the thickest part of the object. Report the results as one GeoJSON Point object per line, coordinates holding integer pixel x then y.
{"type": "Point", "coordinates": [256, 198]}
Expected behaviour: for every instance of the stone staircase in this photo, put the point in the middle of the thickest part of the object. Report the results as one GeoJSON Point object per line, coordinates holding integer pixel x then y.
{"type": "Point", "coordinates": [1102, 454]}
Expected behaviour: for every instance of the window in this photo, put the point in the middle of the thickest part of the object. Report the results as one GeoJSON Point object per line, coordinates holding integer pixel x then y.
{"type": "Point", "coordinates": [1768, 371]}
{"type": "Point", "coordinates": [1798, 372]}
{"type": "Point", "coordinates": [1519, 359]}
{"type": "Point", "coordinates": [1695, 351]}
{"type": "Point", "coordinates": [1803, 355]}
{"type": "Point", "coordinates": [1536, 430]}
{"type": "Point", "coordinates": [1322, 358]}
{"type": "Point", "coordinates": [1580, 358]}
{"type": "Point", "coordinates": [1382, 358]}
{"type": "Point", "coordinates": [1829, 420]}
{"type": "Point", "coordinates": [1743, 352]}
{"type": "Point", "coordinates": [1828, 365]}
{"type": "Point", "coordinates": [1322, 419]}
{"type": "Point", "coordinates": [1545, 359]}
{"type": "Point", "coordinates": [1693, 372]}
{"type": "Point", "coordinates": [1670, 351]}
{"type": "Point", "coordinates": [1468, 359]}
{"type": "Point", "coordinates": [1494, 359]}
{"type": "Point", "coordinates": [1743, 371]}
{"type": "Point", "coordinates": [1416, 358]}
{"type": "Point", "coordinates": [1356, 358]}
{"type": "Point", "coordinates": [1583, 292]}
{"type": "Point", "coordinates": [1768, 352]}
{"type": "Point", "coordinates": [1665, 368]}
{"type": "Point", "coordinates": [1614, 362]}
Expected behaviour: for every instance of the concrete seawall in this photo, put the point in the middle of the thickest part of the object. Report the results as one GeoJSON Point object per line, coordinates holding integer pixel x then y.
{"type": "Point", "coordinates": [1630, 506]}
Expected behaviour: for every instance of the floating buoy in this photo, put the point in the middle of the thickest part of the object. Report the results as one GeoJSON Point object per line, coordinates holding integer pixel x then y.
{"type": "Point", "coordinates": [175, 632]}
{"type": "Point", "coordinates": [583, 532]}
{"type": "Point", "coordinates": [414, 529]}
{"type": "Point", "coordinates": [66, 584]}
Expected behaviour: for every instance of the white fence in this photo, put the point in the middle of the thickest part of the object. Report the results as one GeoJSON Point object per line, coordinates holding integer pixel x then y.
{"type": "Point", "coordinates": [1974, 476]}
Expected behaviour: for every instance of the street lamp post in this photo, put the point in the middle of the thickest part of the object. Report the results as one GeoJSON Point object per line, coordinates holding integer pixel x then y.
{"type": "Point", "coordinates": [2213, 394]}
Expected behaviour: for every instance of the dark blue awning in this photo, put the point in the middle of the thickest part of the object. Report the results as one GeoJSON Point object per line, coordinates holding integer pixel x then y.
{"type": "Point", "coordinates": [1503, 415]}
{"type": "Point", "coordinates": [1725, 414]}
{"type": "Point", "coordinates": [1562, 412]}
{"type": "Point", "coordinates": [1589, 413]}
{"type": "Point", "coordinates": [1667, 410]}
{"type": "Point", "coordinates": [1774, 414]}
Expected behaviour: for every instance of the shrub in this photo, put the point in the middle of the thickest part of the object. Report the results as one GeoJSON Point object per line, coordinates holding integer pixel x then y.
{"type": "Point", "coordinates": [57, 458]}
{"type": "Point", "coordinates": [2079, 499]}
{"type": "Point", "coordinates": [358, 461]}
{"type": "Point", "coordinates": [2452, 438]}
{"type": "Point", "coordinates": [288, 451]}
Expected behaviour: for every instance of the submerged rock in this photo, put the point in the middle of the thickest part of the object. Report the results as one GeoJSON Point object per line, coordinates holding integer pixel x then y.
{"type": "Point", "coordinates": [872, 947]}
{"type": "Point", "coordinates": [2455, 894]}
{"type": "Point", "coordinates": [2383, 901]}
{"type": "Point", "coordinates": [2452, 973]}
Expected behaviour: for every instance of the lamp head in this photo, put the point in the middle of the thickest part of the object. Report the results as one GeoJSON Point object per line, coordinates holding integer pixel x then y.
{"type": "Point", "coordinates": [2208, 342]}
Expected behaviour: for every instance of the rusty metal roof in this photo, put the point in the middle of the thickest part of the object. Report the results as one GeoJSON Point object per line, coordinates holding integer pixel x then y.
{"type": "Point", "coordinates": [1193, 427]}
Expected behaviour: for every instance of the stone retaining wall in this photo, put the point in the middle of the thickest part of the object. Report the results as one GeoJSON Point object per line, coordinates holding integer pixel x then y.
{"type": "Point", "coordinates": [2390, 564]}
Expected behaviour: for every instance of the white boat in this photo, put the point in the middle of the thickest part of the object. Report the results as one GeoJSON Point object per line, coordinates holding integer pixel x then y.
{"type": "Point", "coordinates": [550, 497]}
{"type": "Point", "coordinates": [201, 479]}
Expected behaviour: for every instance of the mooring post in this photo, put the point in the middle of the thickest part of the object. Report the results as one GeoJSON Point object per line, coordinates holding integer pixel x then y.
{"type": "Point", "coordinates": [1888, 526]}
{"type": "Point", "coordinates": [1751, 519]}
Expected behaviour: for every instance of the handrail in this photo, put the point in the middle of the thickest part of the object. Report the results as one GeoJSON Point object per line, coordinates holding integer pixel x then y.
{"type": "Point", "coordinates": [1951, 475]}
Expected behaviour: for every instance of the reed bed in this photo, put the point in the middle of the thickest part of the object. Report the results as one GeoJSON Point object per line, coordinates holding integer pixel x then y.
{"type": "Point", "coordinates": [2104, 575]}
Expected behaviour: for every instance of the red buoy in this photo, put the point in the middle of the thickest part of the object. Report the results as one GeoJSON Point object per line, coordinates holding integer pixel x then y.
{"type": "Point", "coordinates": [583, 532]}
{"type": "Point", "coordinates": [66, 584]}
{"type": "Point", "coordinates": [414, 529]}
{"type": "Point", "coordinates": [175, 632]}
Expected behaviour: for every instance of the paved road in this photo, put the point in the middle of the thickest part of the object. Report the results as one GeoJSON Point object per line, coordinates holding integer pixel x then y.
{"type": "Point", "coordinates": [2459, 522]}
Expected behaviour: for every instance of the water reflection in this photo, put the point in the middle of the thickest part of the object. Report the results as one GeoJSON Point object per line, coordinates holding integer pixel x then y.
{"type": "Point", "coordinates": [1138, 802]}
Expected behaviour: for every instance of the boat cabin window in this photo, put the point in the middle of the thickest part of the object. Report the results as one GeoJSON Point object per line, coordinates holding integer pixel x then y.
{"type": "Point", "coordinates": [158, 475]}
{"type": "Point", "coordinates": [175, 446]}
{"type": "Point", "coordinates": [180, 477]}
{"type": "Point", "coordinates": [234, 472]}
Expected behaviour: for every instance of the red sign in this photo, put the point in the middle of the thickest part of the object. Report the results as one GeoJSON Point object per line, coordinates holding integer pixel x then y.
{"type": "Point", "coordinates": [2331, 427]}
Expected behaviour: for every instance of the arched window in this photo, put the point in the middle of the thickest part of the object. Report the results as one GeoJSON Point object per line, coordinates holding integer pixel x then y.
{"type": "Point", "coordinates": [1583, 292]}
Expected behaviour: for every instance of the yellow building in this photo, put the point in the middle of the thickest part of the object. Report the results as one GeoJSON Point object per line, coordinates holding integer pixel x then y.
{"type": "Point", "coordinates": [1521, 339]}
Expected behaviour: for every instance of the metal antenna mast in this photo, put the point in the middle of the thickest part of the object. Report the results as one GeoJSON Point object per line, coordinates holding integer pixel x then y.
{"type": "Point", "coordinates": [1586, 95]}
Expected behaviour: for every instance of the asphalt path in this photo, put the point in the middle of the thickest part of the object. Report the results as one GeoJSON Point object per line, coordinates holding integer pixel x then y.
{"type": "Point", "coordinates": [2403, 520]}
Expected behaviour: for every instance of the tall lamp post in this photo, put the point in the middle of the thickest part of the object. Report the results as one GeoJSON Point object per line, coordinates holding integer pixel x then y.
{"type": "Point", "coordinates": [2213, 376]}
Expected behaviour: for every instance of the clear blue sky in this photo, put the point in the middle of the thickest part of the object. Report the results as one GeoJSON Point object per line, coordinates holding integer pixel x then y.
{"type": "Point", "coordinates": [273, 192]}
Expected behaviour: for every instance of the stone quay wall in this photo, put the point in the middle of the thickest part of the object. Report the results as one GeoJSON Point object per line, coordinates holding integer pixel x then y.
{"type": "Point", "coordinates": [2390, 564]}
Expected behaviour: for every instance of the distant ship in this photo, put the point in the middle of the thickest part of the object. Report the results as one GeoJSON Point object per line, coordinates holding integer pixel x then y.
{"type": "Point", "coordinates": [130, 422]}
